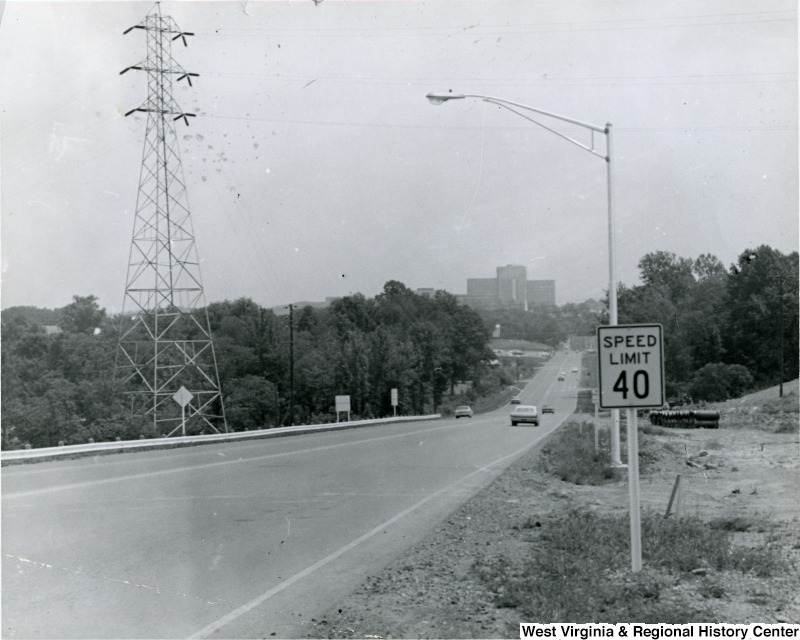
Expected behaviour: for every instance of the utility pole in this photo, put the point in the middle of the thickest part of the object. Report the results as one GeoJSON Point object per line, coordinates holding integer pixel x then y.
{"type": "Point", "coordinates": [291, 364]}
{"type": "Point", "coordinates": [165, 338]}
{"type": "Point", "coordinates": [780, 321]}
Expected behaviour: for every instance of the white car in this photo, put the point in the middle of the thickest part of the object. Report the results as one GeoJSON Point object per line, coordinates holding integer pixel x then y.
{"type": "Point", "coordinates": [463, 412]}
{"type": "Point", "coordinates": [525, 413]}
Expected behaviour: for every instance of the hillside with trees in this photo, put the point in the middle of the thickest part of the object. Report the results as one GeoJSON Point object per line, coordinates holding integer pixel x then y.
{"type": "Point", "coordinates": [724, 332]}
{"type": "Point", "coordinates": [61, 388]}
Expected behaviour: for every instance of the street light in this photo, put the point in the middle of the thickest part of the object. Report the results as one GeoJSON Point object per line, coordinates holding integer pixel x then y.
{"type": "Point", "coordinates": [518, 109]}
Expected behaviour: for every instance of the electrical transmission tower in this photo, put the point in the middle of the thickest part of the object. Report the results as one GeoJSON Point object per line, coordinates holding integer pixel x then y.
{"type": "Point", "coordinates": [165, 348]}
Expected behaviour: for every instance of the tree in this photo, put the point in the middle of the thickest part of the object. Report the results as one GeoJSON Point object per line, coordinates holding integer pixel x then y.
{"type": "Point", "coordinates": [763, 313]}
{"type": "Point", "coordinates": [665, 271]}
{"type": "Point", "coordinates": [83, 315]}
{"type": "Point", "coordinates": [715, 382]}
{"type": "Point", "coordinates": [250, 403]}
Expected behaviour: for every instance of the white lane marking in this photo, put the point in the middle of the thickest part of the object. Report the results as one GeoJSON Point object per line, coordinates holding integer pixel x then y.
{"type": "Point", "coordinates": [163, 472]}
{"type": "Point", "coordinates": [255, 602]}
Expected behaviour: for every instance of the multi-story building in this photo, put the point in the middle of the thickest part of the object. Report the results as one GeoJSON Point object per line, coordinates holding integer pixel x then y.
{"type": "Point", "coordinates": [542, 292]}
{"type": "Point", "coordinates": [510, 289]}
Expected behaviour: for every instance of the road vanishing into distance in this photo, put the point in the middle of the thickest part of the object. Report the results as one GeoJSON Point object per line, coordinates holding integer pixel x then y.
{"type": "Point", "coordinates": [246, 539]}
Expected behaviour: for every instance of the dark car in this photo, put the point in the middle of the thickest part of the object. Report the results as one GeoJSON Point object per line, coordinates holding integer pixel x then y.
{"type": "Point", "coordinates": [515, 401]}
{"type": "Point", "coordinates": [548, 408]}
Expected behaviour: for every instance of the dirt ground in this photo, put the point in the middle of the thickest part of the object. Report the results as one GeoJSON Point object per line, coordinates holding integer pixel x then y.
{"type": "Point", "coordinates": [744, 469]}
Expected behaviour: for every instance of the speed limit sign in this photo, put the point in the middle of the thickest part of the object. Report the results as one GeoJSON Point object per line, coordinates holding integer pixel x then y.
{"type": "Point", "coordinates": [631, 366]}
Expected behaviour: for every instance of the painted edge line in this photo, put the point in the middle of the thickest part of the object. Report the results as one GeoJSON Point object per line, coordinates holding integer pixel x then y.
{"type": "Point", "coordinates": [249, 606]}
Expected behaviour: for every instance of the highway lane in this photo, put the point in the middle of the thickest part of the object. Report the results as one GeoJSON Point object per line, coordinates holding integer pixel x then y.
{"type": "Point", "coordinates": [241, 539]}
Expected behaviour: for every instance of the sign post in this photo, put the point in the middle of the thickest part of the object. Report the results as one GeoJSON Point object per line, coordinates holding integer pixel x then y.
{"type": "Point", "coordinates": [595, 402]}
{"type": "Point", "coordinates": [632, 377]}
{"type": "Point", "coordinates": [394, 402]}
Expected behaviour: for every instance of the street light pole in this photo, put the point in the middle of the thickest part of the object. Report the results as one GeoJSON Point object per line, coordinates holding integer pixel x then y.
{"type": "Point", "coordinates": [518, 109]}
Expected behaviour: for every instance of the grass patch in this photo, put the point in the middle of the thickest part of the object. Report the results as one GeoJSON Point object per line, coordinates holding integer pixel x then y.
{"type": "Point", "coordinates": [570, 456]}
{"type": "Point", "coordinates": [777, 415]}
{"type": "Point", "coordinates": [651, 430]}
{"type": "Point", "coordinates": [734, 523]}
{"type": "Point", "coordinates": [787, 404]}
{"type": "Point", "coordinates": [577, 569]}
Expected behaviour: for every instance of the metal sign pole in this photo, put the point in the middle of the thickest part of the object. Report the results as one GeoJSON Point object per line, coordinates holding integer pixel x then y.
{"type": "Point", "coordinates": [633, 490]}
{"type": "Point", "coordinates": [596, 419]}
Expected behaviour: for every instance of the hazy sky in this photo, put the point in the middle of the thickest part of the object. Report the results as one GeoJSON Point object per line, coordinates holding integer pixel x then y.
{"type": "Point", "coordinates": [316, 167]}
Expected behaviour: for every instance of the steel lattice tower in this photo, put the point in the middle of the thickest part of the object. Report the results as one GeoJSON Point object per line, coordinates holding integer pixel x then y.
{"type": "Point", "coordinates": [165, 339]}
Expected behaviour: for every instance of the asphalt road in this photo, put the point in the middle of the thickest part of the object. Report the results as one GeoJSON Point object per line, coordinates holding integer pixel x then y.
{"type": "Point", "coordinates": [241, 540]}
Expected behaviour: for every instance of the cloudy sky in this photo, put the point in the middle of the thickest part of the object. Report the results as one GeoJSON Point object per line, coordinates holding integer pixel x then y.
{"type": "Point", "coordinates": [316, 167]}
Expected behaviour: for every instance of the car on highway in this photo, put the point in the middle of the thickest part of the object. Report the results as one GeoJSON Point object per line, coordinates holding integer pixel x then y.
{"type": "Point", "coordinates": [516, 401]}
{"type": "Point", "coordinates": [462, 412]}
{"type": "Point", "coordinates": [548, 408]}
{"type": "Point", "coordinates": [525, 413]}
{"type": "Point", "coordinates": [574, 369]}
{"type": "Point", "coordinates": [562, 376]}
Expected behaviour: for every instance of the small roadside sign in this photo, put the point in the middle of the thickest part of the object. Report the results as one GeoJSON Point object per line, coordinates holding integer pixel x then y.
{"type": "Point", "coordinates": [342, 403]}
{"type": "Point", "coordinates": [342, 406]}
{"type": "Point", "coordinates": [182, 396]}
{"type": "Point", "coordinates": [631, 359]}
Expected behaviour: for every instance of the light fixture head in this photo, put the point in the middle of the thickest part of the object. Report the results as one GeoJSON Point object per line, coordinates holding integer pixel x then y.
{"type": "Point", "coordinates": [441, 97]}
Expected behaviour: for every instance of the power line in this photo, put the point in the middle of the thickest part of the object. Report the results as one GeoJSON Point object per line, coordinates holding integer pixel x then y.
{"type": "Point", "coordinates": [711, 79]}
{"type": "Point", "coordinates": [478, 30]}
{"type": "Point", "coordinates": [399, 125]}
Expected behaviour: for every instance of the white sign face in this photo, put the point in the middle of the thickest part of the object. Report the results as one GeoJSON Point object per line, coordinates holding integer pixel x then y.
{"type": "Point", "coordinates": [394, 397]}
{"type": "Point", "coordinates": [182, 396]}
{"type": "Point", "coordinates": [631, 359]}
{"type": "Point", "coordinates": [342, 403]}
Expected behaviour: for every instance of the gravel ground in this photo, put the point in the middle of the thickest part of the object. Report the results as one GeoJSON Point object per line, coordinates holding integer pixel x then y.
{"type": "Point", "coordinates": [744, 470]}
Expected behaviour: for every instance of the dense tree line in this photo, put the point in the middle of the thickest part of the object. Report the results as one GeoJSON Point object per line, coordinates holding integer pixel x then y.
{"type": "Point", "coordinates": [361, 347]}
{"type": "Point", "coordinates": [545, 324]}
{"type": "Point", "coordinates": [724, 330]}
{"type": "Point", "coordinates": [61, 387]}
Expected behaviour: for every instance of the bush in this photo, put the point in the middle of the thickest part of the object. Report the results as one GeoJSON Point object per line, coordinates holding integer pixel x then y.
{"type": "Point", "coordinates": [717, 382]}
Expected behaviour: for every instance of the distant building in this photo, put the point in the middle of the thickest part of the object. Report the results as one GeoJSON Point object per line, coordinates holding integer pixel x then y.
{"type": "Point", "coordinates": [542, 292]}
{"type": "Point", "coordinates": [426, 292]}
{"type": "Point", "coordinates": [510, 289]}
